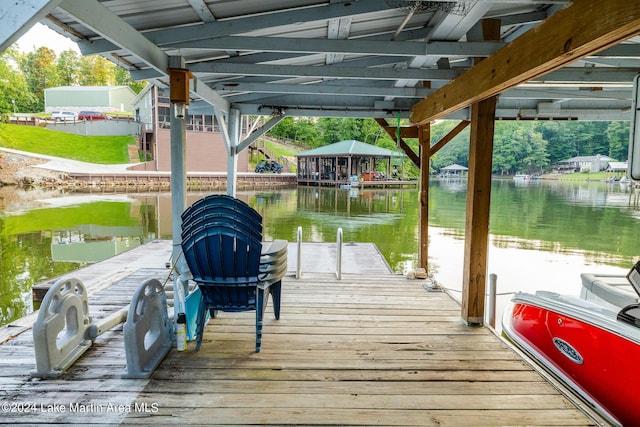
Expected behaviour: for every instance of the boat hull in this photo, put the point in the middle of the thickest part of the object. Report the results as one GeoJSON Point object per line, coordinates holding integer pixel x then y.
{"type": "Point", "coordinates": [584, 346]}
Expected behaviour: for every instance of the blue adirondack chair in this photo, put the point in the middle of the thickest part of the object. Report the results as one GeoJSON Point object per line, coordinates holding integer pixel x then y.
{"type": "Point", "coordinates": [221, 243]}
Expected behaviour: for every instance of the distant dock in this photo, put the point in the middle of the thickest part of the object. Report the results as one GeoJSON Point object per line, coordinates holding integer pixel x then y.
{"type": "Point", "coordinates": [381, 183]}
{"type": "Point", "coordinates": [371, 349]}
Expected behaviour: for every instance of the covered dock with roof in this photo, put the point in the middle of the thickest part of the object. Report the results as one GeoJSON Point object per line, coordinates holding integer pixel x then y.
{"type": "Point", "coordinates": [473, 61]}
{"type": "Point", "coordinates": [349, 162]}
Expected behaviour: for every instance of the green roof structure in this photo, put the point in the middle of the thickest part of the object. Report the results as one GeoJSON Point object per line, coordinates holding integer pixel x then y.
{"type": "Point", "coordinates": [454, 167]}
{"type": "Point", "coordinates": [350, 148]}
{"type": "Point", "coordinates": [350, 163]}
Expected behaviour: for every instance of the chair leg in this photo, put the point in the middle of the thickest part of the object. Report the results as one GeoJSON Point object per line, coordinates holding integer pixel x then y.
{"type": "Point", "coordinates": [275, 291]}
{"type": "Point", "coordinates": [261, 303]}
{"type": "Point", "coordinates": [200, 321]}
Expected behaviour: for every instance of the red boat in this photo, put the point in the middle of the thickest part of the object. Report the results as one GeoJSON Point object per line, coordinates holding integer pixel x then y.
{"type": "Point", "coordinates": [592, 347]}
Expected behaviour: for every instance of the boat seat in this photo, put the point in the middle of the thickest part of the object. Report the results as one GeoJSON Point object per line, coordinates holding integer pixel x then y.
{"type": "Point", "coordinates": [614, 289]}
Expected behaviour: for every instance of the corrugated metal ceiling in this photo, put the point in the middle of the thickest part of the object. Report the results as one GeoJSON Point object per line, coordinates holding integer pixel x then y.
{"type": "Point", "coordinates": [271, 48]}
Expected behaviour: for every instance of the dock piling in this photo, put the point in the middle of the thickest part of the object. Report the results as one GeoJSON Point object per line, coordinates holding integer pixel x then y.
{"type": "Point", "coordinates": [493, 279]}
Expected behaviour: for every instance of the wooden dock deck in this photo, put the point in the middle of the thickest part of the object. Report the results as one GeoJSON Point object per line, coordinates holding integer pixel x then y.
{"type": "Point", "coordinates": [370, 349]}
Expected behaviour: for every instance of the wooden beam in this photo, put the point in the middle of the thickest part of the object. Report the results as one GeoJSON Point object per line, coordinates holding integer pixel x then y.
{"type": "Point", "coordinates": [408, 132]}
{"type": "Point", "coordinates": [476, 232]}
{"type": "Point", "coordinates": [405, 147]}
{"type": "Point", "coordinates": [425, 157]}
{"type": "Point", "coordinates": [476, 239]}
{"type": "Point", "coordinates": [448, 137]}
{"type": "Point", "coordinates": [405, 131]}
{"type": "Point", "coordinates": [580, 29]}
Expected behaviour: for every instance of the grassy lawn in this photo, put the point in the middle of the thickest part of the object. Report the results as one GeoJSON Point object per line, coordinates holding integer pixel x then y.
{"type": "Point", "coordinates": [92, 149]}
{"type": "Point", "coordinates": [280, 149]}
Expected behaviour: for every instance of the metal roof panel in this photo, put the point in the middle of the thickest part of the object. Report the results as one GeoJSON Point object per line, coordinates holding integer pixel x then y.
{"type": "Point", "coordinates": [350, 148]}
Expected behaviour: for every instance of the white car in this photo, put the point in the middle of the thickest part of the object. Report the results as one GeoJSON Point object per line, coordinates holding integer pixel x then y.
{"type": "Point", "coordinates": [63, 116]}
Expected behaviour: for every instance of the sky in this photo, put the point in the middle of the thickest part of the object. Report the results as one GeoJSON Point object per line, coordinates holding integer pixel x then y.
{"type": "Point", "coordinates": [40, 35]}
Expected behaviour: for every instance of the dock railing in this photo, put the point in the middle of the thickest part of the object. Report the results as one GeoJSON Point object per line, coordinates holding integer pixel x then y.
{"type": "Point", "coordinates": [339, 240]}
{"type": "Point", "coordinates": [339, 254]}
{"type": "Point", "coordinates": [299, 254]}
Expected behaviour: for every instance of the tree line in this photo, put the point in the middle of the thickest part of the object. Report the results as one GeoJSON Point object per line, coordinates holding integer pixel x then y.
{"type": "Point", "coordinates": [25, 76]}
{"type": "Point", "coordinates": [519, 146]}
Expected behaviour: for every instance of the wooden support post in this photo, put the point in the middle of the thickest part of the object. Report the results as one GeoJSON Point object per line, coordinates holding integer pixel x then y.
{"type": "Point", "coordinates": [477, 217]}
{"type": "Point", "coordinates": [423, 162]}
{"type": "Point", "coordinates": [476, 242]}
{"type": "Point", "coordinates": [424, 137]}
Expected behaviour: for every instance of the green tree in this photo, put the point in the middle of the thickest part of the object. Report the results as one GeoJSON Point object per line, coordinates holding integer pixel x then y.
{"type": "Point", "coordinates": [561, 141]}
{"type": "Point", "coordinates": [334, 130]}
{"type": "Point", "coordinates": [122, 77]}
{"type": "Point", "coordinates": [40, 71]}
{"type": "Point", "coordinates": [299, 130]}
{"type": "Point", "coordinates": [68, 68]}
{"type": "Point", "coordinates": [455, 151]}
{"type": "Point", "coordinates": [306, 132]}
{"type": "Point", "coordinates": [14, 92]}
{"type": "Point", "coordinates": [372, 133]}
{"type": "Point", "coordinates": [96, 71]}
{"type": "Point", "coordinates": [518, 147]}
{"type": "Point", "coordinates": [284, 130]}
{"type": "Point", "coordinates": [591, 137]}
{"type": "Point", "coordinates": [618, 135]}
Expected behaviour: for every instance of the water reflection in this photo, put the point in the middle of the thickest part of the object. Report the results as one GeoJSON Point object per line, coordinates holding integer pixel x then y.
{"type": "Point", "coordinates": [542, 234]}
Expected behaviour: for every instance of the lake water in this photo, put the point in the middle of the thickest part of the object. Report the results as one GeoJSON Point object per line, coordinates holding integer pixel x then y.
{"type": "Point", "coordinates": [543, 233]}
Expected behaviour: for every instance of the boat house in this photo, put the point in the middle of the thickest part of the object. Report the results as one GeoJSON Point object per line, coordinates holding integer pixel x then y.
{"type": "Point", "coordinates": [348, 162]}
{"type": "Point", "coordinates": [454, 171]}
{"type": "Point", "coordinates": [472, 61]}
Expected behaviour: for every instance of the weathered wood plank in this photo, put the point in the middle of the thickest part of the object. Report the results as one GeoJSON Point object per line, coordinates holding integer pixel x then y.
{"type": "Point", "coordinates": [454, 389]}
{"type": "Point", "coordinates": [360, 417]}
{"type": "Point", "coordinates": [360, 363]}
{"type": "Point", "coordinates": [508, 378]}
{"type": "Point", "coordinates": [343, 353]}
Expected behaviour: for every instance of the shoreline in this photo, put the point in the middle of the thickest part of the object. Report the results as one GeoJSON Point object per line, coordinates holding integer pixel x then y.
{"type": "Point", "coordinates": [26, 170]}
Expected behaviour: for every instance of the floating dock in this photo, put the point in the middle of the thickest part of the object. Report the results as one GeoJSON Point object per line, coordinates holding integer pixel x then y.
{"type": "Point", "coordinates": [373, 348]}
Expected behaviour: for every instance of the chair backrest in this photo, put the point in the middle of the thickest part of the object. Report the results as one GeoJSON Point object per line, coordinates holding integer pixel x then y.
{"type": "Point", "coordinates": [223, 216]}
{"type": "Point", "coordinates": [221, 203]}
{"type": "Point", "coordinates": [223, 253]}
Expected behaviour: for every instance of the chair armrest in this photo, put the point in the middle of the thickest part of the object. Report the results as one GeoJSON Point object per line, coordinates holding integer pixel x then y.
{"type": "Point", "coordinates": [273, 262]}
{"type": "Point", "coordinates": [272, 248]}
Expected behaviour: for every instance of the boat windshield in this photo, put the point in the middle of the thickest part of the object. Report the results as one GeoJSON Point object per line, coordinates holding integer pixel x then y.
{"type": "Point", "coordinates": [634, 277]}
{"type": "Point", "coordinates": [630, 314]}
